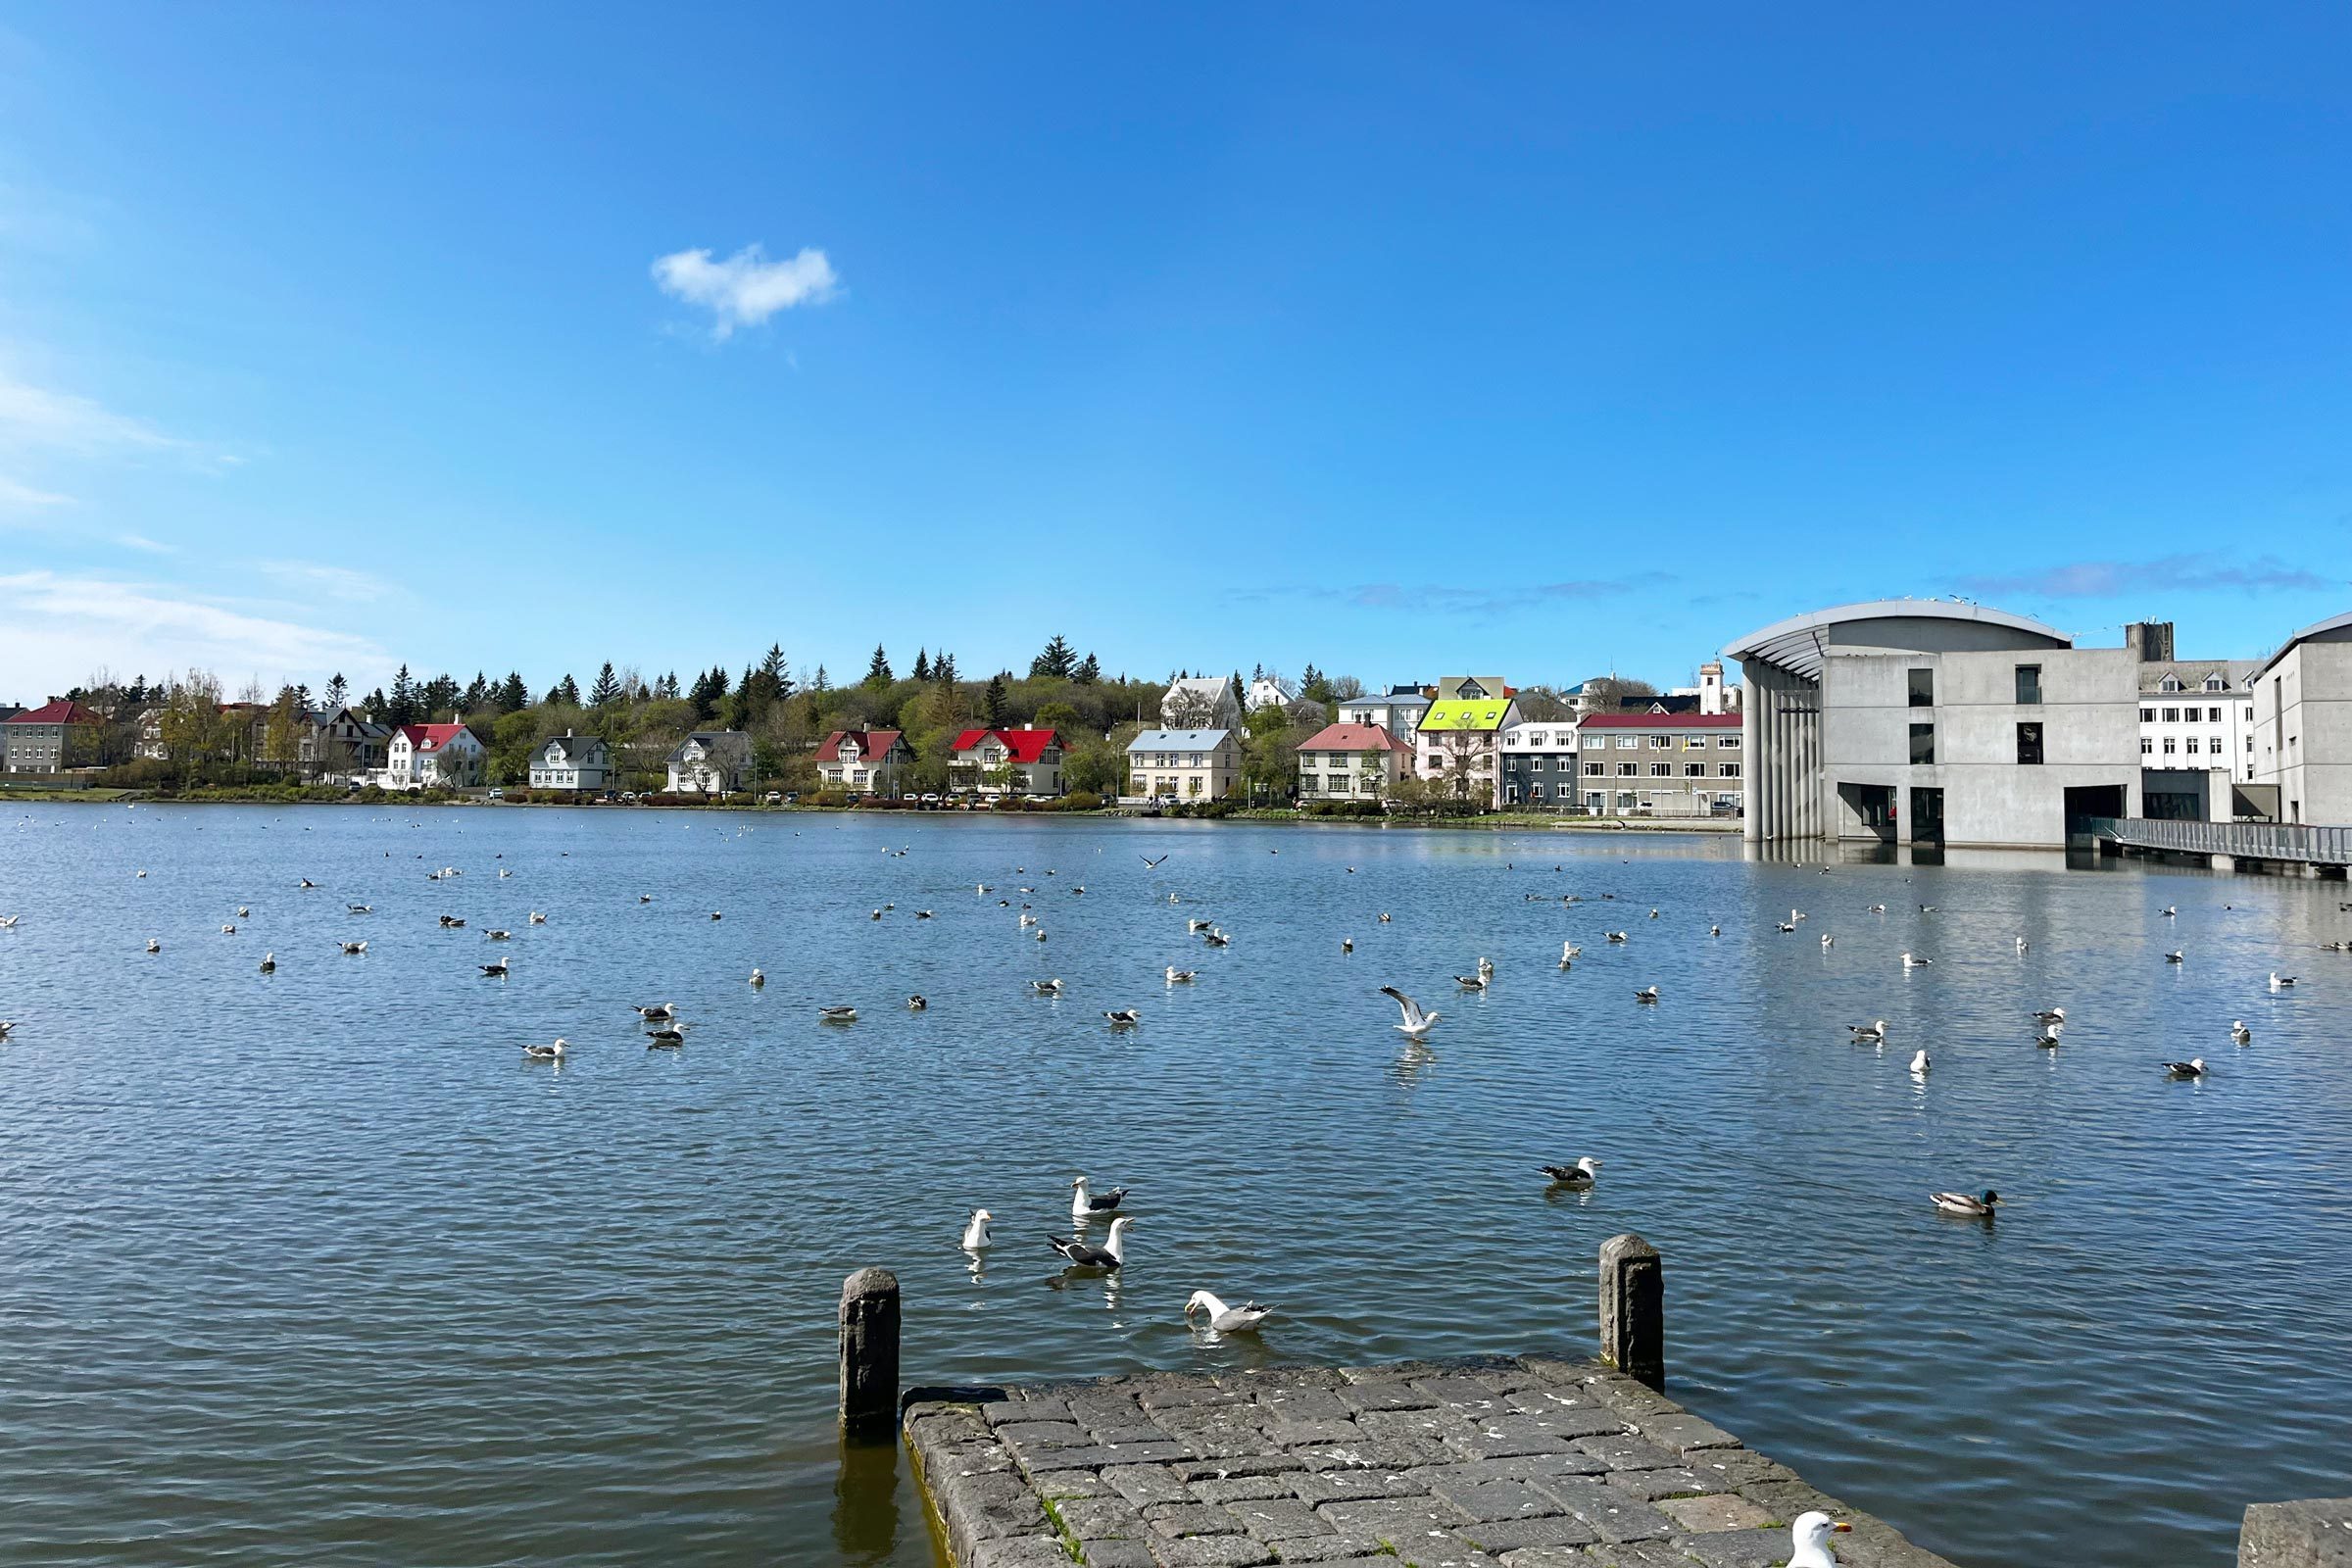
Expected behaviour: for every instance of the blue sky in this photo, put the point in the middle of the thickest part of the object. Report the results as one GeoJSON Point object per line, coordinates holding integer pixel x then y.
{"type": "Point", "coordinates": [1539, 339]}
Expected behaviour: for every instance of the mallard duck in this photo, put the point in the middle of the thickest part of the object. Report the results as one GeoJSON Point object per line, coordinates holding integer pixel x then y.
{"type": "Point", "coordinates": [1962, 1203]}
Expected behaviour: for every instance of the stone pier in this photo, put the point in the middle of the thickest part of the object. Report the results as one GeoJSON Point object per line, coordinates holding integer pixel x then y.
{"type": "Point", "coordinates": [1523, 1463]}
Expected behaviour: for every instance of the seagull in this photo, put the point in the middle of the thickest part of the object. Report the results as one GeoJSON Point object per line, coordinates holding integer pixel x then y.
{"type": "Point", "coordinates": [1783, 926]}
{"type": "Point", "coordinates": [548, 1052]}
{"type": "Point", "coordinates": [1109, 1255]}
{"type": "Point", "coordinates": [759, 978]}
{"type": "Point", "coordinates": [877, 915]}
{"type": "Point", "coordinates": [918, 1003]}
{"type": "Point", "coordinates": [1046, 988]}
{"type": "Point", "coordinates": [243, 913]}
{"type": "Point", "coordinates": [2169, 910]}
{"type": "Point", "coordinates": [2050, 1016]}
{"type": "Point", "coordinates": [1646, 993]}
{"type": "Point", "coordinates": [837, 1014]}
{"type": "Point", "coordinates": [666, 1039]}
{"type": "Point", "coordinates": [1715, 930]}
{"type": "Point", "coordinates": [1875, 909]}
{"type": "Point", "coordinates": [1416, 1022]}
{"type": "Point", "coordinates": [537, 918]}
{"type": "Point", "coordinates": [714, 915]}
{"type": "Point", "coordinates": [1179, 977]}
{"type": "Point", "coordinates": [2239, 1034]}
{"type": "Point", "coordinates": [2048, 1037]}
{"type": "Point", "coordinates": [1868, 1034]}
{"type": "Point", "coordinates": [1920, 1064]}
{"type": "Point", "coordinates": [1471, 982]}
{"type": "Point", "coordinates": [1827, 941]}
{"type": "Point", "coordinates": [268, 963]}
{"type": "Point", "coordinates": [644, 898]}
{"type": "Point", "coordinates": [305, 882]}
{"type": "Point", "coordinates": [1580, 1174]}
{"type": "Point", "coordinates": [450, 923]}
{"type": "Point", "coordinates": [1124, 1018]}
{"type": "Point", "coordinates": [2279, 982]}
{"type": "Point", "coordinates": [1617, 936]}
{"type": "Point", "coordinates": [1084, 1201]}
{"type": "Point", "coordinates": [1193, 926]}
{"type": "Point", "coordinates": [1569, 951]}
{"type": "Point", "coordinates": [2021, 943]}
{"type": "Point", "coordinates": [1914, 962]}
{"type": "Point", "coordinates": [975, 1232]}
{"type": "Point", "coordinates": [8, 922]}
{"type": "Point", "coordinates": [1225, 1319]}
{"type": "Point", "coordinates": [1810, 1535]}
{"type": "Point", "coordinates": [2193, 1067]}
{"type": "Point", "coordinates": [154, 946]}
{"type": "Point", "coordinates": [229, 930]}
{"type": "Point", "coordinates": [982, 888]}
{"type": "Point", "coordinates": [1346, 944]}
{"type": "Point", "coordinates": [355, 947]}
{"type": "Point", "coordinates": [499, 935]}
{"type": "Point", "coordinates": [1384, 918]}
{"type": "Point", "coordinates": [1962, 1203]}
{"type": "Point", "coordinates": [1927, 909]}
{"type": "Point", "coordinates": [5, 1026]}
{"type": "Point", "coordinates": [1216, 938]}
{"type": "Point", "coordinates": [660, 1012]}
{"type": "Point", "coordinates": [919, 914]}
{"type": "Point", "coordinates": [2176, 955]}
{"type": "Point", "coordinates": [496, 971]}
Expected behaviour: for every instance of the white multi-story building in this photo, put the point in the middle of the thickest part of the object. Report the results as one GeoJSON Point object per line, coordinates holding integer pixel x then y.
{"type": "Point", "coordinates": [426, 756]}
{"type": "Point", "coordinates": [2303, 723]}
{"type": "Point", "coordinates": [571, 762]}
{"type": "Point", "coordinates": [1398, 711]}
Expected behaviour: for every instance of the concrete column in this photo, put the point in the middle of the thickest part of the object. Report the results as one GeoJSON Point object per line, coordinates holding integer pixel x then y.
{"type": "Point", "coordinates": [1632, 1301]}
{"type": "Point", "coordinates": [869, 1353]}
{"type": "Point", "coordinates": [1752, 783]}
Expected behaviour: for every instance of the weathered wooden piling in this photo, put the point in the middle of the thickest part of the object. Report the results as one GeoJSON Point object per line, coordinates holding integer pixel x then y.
{"type": "Point", "coordinates": [869, 1353]}
{"type": "Point", "coordinates": [1632, 1309]}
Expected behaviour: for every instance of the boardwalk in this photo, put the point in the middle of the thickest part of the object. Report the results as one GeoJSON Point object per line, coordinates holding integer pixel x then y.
{"type": "Point", "coordinates": [1486, 1463]}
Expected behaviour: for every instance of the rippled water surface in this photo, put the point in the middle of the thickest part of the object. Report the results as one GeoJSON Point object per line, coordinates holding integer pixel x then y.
{"type": "Point", "coordinates": [315, 1267]}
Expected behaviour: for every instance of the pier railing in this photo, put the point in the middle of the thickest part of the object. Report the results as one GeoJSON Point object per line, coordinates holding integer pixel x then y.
{"type": "Point", "coordinates": [2298, 842]}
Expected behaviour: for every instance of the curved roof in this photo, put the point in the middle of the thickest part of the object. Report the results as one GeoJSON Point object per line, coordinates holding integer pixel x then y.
{"type": "Point", "coordinates": [2318, 628]}
{"type": "Point", "coordinates": [1796, 645]}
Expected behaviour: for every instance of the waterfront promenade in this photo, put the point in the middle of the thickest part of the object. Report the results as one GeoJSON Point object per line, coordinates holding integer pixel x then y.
{"type": "Point", "coordinates": [1523, 1463]}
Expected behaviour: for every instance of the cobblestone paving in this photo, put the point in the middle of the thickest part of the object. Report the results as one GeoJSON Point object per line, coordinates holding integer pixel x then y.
{"type": "Point", "coordinates": [1486, 1463]}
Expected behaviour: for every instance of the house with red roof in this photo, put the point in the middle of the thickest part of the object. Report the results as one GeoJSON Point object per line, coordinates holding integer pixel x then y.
{"type": "Point", "coordinates": [862, 762]}
{"type": "Point", "coordinates": [432, 757]}
{"type": "Point", "coordinates": [1007, 762]}
{"type": "Point", "coordinates": [58, 735]}
{"type": "Point", "coordinates": [1351, 762]}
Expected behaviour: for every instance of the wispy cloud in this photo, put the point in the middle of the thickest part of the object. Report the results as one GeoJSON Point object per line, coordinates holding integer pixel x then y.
{"type": "Point", "coordinates": [337, 582]}
{"type": "Point", "coordinates": [2181, 574]}
{"type": "Point", "coordinates": [17, 495]}
{"type": "Point", "coordinates": [59, 627]}
{"type": "Point", "coordinates": [154, 547]}
{"type": "Point", "coordinates": [38, 419]}
{"type": "Point", "coordinates": [746, 288]}
{"type": "Point", "coordinates": [1494, 599]}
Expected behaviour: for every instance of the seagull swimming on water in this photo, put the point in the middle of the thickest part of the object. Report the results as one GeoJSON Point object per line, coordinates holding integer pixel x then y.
{"type": "Point", "coordinates": [1912, 960]}
{"type": "Point", "coordinates": [1920, 1064]}
{"type": "Point", "coordinates": [2279, 982]}
{"type": "Point", "coordinates": [918, 1003]}
{"type": "Point", "coordinates": [1868, 1034]}
{"type": "Point", "coordinates": [1225, 1319]}
{"type": "Point", "coordinates": [1178, 977]}
{"type": "Point", "coordinates": [495, 971]}
{"type": "Point", "coordinates": [837, 1014]}
{"type": "Point", "coordinates": [2193, 1067]}
{"type": "Point", "coordinates": [1646, 993]}
{"type": "Point", "coordinates": [975, 1232]}
{"type": "Point", "coordinates": [1416, 1023]}
{"type": "Point", "coordinates": [547, 1053]}
{"type": "Point", "coordinates": [1580, 1175]}
{"type": "Point", "coordinates": [1124, 1018]}
{"type": "Point", "coordinates": [355, 948]}
{"type": "Point", "coordinates": [2050, 1016]}
{"type": "Point", "coordinates": [658, 1012]}
{"type": "Point", "coordinates": [1109, 1255]}
{"type": "Point", "coordinates": [1085, 1200]}
{"type": "Point", "coordinates": [268, 963]}
{"type": "Point", "coordinates": [2239, 1034]}
{"type": "Point", "coordinates": [1046, 988]}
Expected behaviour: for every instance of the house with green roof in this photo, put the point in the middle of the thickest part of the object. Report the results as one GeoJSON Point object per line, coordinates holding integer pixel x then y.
{"type": "Point", "coordinates": [1458, 746]}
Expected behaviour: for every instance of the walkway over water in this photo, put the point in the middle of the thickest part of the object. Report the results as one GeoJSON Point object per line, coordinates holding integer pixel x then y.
{"type": "Point", "coordinates": [2294, 843]}
{"type": "Point", "coordinates": [1522, 1463]}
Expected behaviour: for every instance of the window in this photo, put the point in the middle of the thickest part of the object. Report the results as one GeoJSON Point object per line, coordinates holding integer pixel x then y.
{"type": "Point", "coordinates": [2029, 685]}
{"type": "Point", "coordinates": [1659, 743]}
{"type": "Point", "coordinates": [2213, 716]}
{"type": "Point", "coordinates": [1626, 743]}
{"type": "Point", "coordinates": [2249, 745]}
{"type": "Point", "coordinates": [1661, 771]}
{"type": "Point", "coordinates": [1923, 744]}
{"type": "Point", "coordinates": [1696, 743]}
{"type": "Point", "coordinates": [2029, 740]}
{"type": "Point", "coordinates": [1628, 769]}
{"type": "Point", "coordinates": [1922, 688]}
{"type": "Point", "coordinates": [1593, 769]}
{"type": "Point", "coordinates": [1727, 769]}
{"type": "Point", "coordinates": [2146, 746]}
{"type": "Point", "coordinates": [1695, 770]}
{"type": "Point", "coordinates": [2147, 715]}
{"type": "Point", "coordinates": [1538, 738]}
{"type": "Point", "coordinates": [2217, 683]}
{"type": "Point", "coordinates": [2170, 684]}
{"type": "Point", "coordinates": [2192, 746]}
{"type": "Point", "coordinates": [1728, 743]}
{"type": "Point", "coordinates": [2171, 715]}
{"type": "Point", "coordinates": [2167, 747]}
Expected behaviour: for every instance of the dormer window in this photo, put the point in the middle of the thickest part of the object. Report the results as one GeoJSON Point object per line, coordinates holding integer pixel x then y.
{"type": "Point", "coordinates": [2217, 683]}
{"type": "Point", "coordinates": [2170, 684]}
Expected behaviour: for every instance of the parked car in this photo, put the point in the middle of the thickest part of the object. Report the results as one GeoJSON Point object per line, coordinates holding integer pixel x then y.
{"type": "Point", "coordinates": [930, 799]}
{"type": "Point", "coordinates": [628, 796]}
{"type": "Point", "coordinates": [775, 798]}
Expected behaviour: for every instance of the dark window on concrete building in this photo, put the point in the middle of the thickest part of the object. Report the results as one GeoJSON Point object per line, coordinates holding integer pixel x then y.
{"type": "Point", "coordinates": [1923, 743]}
{"type": "Point", "coordinates": [1922, 688]}
{"type": "Point", "coordinates": [2029, 683]}
{"type": "Point", "coordinates": [2028, 743]}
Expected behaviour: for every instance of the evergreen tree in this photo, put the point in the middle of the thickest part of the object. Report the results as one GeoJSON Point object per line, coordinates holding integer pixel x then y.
{"type": "Point", "coordinates": [436, 696]}
{"type": "Point", "coordinates": [1055, 662]}
{"type": "Point", "coordinates": [402, 708]}
{"type": "Point", "coordinates": [1087, 671]}
{"type": "Point", "coordinates": [1240, 698]}
{"type": "Point", "coordinates": [943, 668]}
{"type": "Point", "coordinates": [566, 692]}
{"type": "Point", "coordinates": [1257, 672]}
{"type": "Point", "coordinates": [377, 707]}
{"type": "Point", "coordinates": [993, 707]}
{"type": "Point", "coordinates": [709, 687]}
{"type": "Point", "coordinates": [877, 674]}
{"type": "Point", "coordinates": [820, 682]}
{"type": "Point", "coordinates": [922, 665]}
{"type": "Point", "coordinates": [512, 696]}
{"type": "Point", "coordinates": [607, 690]}
{"type": "Point", "coordinates": [338, 690]}
{"type": "Point", "coordinates": [477, 695]}
{"type": "Point", "coordinates": [666, 688]}
{"type": "Point", "coordinates": [773, 666]}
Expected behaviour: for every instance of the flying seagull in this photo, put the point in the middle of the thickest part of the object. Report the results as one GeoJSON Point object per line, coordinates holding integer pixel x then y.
{"type": "Point", "coordinates": [1416, 1023]}
{"type": "Point", "coordinates": [1148, 861]}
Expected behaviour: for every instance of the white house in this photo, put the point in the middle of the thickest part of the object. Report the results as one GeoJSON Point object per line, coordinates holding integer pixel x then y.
{"type": "Point", "coordinates": [569, 762]}
{"type": "Point", "coordinates": [1200, 701]}
{"type": "Point", "coordinates": [709, 761]}
{"type": "Point", "coordinates": [432, 757]}
{"type": "Point", "coordinates": [1398, 711]}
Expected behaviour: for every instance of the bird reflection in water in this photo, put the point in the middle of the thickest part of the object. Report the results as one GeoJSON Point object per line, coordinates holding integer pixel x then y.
{"type": "Point", "coordinates": [1411, 1061]}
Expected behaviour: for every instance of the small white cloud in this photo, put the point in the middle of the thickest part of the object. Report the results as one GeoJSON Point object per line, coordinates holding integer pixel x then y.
{"type": "Point", "coordinates": [25, 497]}
{"type": "Point", "coordinates": [35, 417]}
{"type": "Point", "coordinates": [337, 582]}
{"type": "Point", "coordinates": [154, 547]}
{"type": "Point", "coordinates": [59, 629]}
{"type": "Point", "coordinates": [747, 288]}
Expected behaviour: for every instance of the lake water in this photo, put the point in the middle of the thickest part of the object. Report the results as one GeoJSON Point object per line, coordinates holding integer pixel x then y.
{"type": "Point", "coordinates": [315, 1267]}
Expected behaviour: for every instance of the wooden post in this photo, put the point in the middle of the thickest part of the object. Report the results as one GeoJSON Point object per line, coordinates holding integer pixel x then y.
{"type": "Point", "coordinates": [869, 1353]}
{"type": "Point", "coordinates": [1633, 1309]}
